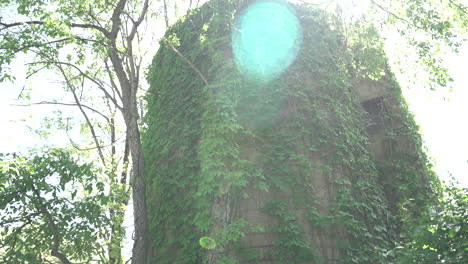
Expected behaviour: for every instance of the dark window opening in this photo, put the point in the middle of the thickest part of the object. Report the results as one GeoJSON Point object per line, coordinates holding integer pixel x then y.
{"type": "Point", "coordinates": [374, 109]}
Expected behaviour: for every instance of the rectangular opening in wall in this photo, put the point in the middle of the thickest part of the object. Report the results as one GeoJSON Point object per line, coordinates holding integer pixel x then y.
{"type": "Point", "coordinates": [374, 109]}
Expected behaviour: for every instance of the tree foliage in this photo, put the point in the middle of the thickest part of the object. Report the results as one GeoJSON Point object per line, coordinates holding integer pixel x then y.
{"type": "Point", "coordinates": [432, 28]}
{"type": "Point", "coordinates": [441, 235]}
{"type": "Point", "coordinates": [52, 207]}
{"type": "Point", "coordinates": [89, 44]}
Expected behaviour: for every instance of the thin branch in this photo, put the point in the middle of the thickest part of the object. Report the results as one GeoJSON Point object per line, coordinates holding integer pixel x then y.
{"type": "Point", "coordinates": [112, 81]}
{"type": "Point", "coordinates": [395, 15]}
{"type": "Point", "coordinates": [42, 44]}
{"type": "Point", "coordinates": [66, 104]}
{"type": "Point", "coordinates": [18, 231]}
{"type": "Point", "coordinates": [21, 219]}
{"type": "Point", "coordinates": [128, 16]}
{"type": "Point", "coordinates": [98, 28]}
{"type": "Point", "coordinates": [188, 62]}
{"type": "Point", "coordinates": [140, 19]}
{"type": "Point", "coordinates": [18, 49]}
{"type": "Point", "coordinates": [27, 77]}
{"type": "Point", "coordinates": [53, 228]}
{"type": "Point", "coordinates": [130, 64]}
{"type": "Point", "coordinates": [123, 177]}
{"type": "Point", "coordinates": [77, 147]}
{"type": "Point", "coordinates": [175, 9]}
{"type": "Point", "coordinates": [91, 14]}
{"type": "Point", "coordinates": [138, 66]}
{"type": "Point", "coordinates": [166, 19]}
{"type": "Point", "coordinates": [73, 25]}
{"type": "Point", "coordinates": [91, 128]}
{"type": "Point", "coordinates": [99, 84]}
{"type": "Point", "coordinates": [6, 25]}
{"type": "Point", "coordinates": [94, 80]}
{"type": "Point", "coordinates": [113, 148]}
{"type": "Point", "coordinates": [460, 7]}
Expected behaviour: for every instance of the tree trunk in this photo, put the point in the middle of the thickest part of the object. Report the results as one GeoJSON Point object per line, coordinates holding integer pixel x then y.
{"type": "Point", "coordinates": [129, 85]}
{"type": "Point", "coordinates": [221, 216]}
{"type": "Point", "coordinates": [138, 193]}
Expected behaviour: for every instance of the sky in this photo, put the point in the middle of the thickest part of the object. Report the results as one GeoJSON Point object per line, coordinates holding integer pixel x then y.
{"type": "Point", "coordinates": [18, 122]}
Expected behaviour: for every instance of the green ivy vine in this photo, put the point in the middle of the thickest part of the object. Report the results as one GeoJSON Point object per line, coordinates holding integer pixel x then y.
{"type": "Point", "coordinates": [210, 135]}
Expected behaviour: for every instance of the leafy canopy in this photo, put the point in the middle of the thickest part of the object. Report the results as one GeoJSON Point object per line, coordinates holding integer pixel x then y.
{"type": "Point", "coordinates": [441, 236]}
{"type": "Point", "coordinates": [50, 206]}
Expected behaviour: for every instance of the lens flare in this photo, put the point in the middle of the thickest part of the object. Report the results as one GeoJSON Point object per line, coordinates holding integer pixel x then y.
{"type": "Point", "coordinates": [207, 242]}
{"type": "Point", "coordinates": [266, 39]}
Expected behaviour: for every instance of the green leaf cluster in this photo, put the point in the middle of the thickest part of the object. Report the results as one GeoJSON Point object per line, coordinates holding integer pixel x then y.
{"type": "Point", "coordinates": [50, 201]}
{"type": "Point", "coordinates": [441, 234]}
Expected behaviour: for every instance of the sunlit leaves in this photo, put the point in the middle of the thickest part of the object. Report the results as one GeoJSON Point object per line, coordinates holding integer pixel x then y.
{"type": "Point", "coordinates": [45, 30]}
{"type": "Point", "coordinates": [431, 28]}
{"type": "Point", "coordinates": [442, 235]}
{"type": "Point", "coordinates": [366, 47]}
{"type": "Point", "coordinates": [42, 198]}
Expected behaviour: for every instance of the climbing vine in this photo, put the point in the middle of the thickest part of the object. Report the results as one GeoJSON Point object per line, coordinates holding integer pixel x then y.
{"type": "Point", "coordinates": [214, 139]}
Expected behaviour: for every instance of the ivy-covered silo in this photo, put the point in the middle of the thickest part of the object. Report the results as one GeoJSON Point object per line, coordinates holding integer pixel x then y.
{"type": "Point", "coordinates": [302, 155]}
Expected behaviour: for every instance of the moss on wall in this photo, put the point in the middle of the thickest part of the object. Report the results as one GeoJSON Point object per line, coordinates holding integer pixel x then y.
{"type": "Point", "coordinates": [301, 169]}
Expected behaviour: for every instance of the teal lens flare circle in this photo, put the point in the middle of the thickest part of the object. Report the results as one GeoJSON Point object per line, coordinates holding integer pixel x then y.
{"type": "Point", "coordinates": [266, 39]}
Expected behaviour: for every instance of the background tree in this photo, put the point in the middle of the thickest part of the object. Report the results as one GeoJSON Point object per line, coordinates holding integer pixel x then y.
{"type": "Point", "coordinates": [433, 28]}
{"type": "Point", "coordinates": [441, 235]}
{"type": "Point", "coordinates": [429, 28]}
{"type": "Point", "coordinates": [89, 42]}
{"type": "Point", "coordinates": [52, 207]}
{"type": "Point", "coordinates": [94, 47]}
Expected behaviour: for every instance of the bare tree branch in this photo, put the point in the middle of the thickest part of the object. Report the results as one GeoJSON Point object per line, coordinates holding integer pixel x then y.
{"type": "Point", "coordinates": [88, 121]}
{"type": "Point", "coordinates": [112, 81]}
{"type": "Point", "coordinates": [138, 22]}
{"type": "Point", "coordinates": [42, 44]}
{"type": "Point", "coordinates": [18, 49]}
{"type": "Point", "coordinates": [67, 104]}
{"type": "Point", "coordinates": [188, 62]}
{"type": "Point", "coordinates": [77, 147]}
{"type": "Point", "coordinates": [99, 84]}
{"type": "Point", "coordinates": [73, 25]}
{"type": "Point", "coordinates": [93, 17]}
{"type": "Point", "coordinates": [394, 15]}
{"type": "Point", "coordinates": [166, 19]}
{"type": "Point", "coordinates": [116, 22]}
{"type": "Point", "coordinates": [123, 178]}
{"type": "Point", "coordinates": [27, 77]}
